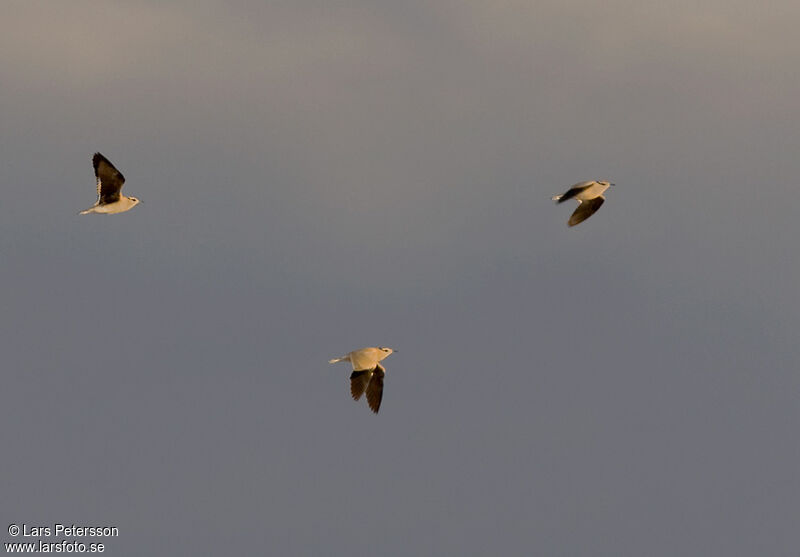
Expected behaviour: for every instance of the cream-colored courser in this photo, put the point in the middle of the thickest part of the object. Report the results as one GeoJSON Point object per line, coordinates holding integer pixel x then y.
{"type": "Point", "coordinates": [367, 374]}
{"type": "Point", "coordinates": [589, 196]}
{"type": "Point", "coordinates": [109, 189]}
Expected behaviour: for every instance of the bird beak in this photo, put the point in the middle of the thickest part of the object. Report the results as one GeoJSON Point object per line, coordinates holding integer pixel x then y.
{"type": "Point", "coordinates": [613, 184]}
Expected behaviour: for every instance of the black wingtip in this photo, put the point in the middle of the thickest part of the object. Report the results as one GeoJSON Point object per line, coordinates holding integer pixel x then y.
{"type": "Point", "coordinates": [356, 387]}
{"type": "Point", "coordinates": [96, 158]}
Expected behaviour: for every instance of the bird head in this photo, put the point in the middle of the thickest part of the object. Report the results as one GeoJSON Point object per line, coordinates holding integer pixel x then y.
{"type": "Point", "coordinates": [385, 350]}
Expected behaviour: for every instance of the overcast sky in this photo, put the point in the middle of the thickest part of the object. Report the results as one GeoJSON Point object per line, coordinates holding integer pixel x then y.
{"type": "Point", "coordinates": [320, 176]}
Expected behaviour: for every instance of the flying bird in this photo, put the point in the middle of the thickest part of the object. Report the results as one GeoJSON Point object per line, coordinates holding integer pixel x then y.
{"type": "Point", "coordinates": [109, 189]}
{"type": "Point", "coordinates": [589, 196]}
{"type": "Point", "coordinates": [367, 374]}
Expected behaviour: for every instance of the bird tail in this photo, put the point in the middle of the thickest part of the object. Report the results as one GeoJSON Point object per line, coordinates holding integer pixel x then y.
{"type": "Point", "coordinates": [556, 197]}
{"type": "Point", "coordinates": [335, 360]}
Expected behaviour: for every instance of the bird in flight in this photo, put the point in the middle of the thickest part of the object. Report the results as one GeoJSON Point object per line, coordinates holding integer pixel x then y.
{"type": "Point", "coordinates": [589, 196]}
{"type": "Point", "coordinates": [109, 189]}
{"type": "Point", "coordinates": [367, 374]}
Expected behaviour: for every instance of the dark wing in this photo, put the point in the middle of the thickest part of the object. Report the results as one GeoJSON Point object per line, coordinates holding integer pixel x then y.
{"type": "Point", "coordinates": [573, 191]}
{"type": "Point", "coordinates": [585, 210]}
{"type": "Point", "coordinates": [358, 382]}
{"type": "Point", "coordinates": [375, 389]}
{"type": "Point", "coordinates": [109, 179]}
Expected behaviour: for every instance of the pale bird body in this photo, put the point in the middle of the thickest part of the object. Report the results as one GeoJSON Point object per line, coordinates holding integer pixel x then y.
{"type": "Point", "coordinates": [589, 196]}
{"type": "Point", "coordinates": [368, 373]}
{"type": "Point", "coordinates": [120, 206]}
{"type": "Point", "coordinates": [109, 189]}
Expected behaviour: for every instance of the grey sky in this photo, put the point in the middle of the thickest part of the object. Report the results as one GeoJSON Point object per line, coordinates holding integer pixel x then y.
{"type": "Point", "coordinates": [321, 176]}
